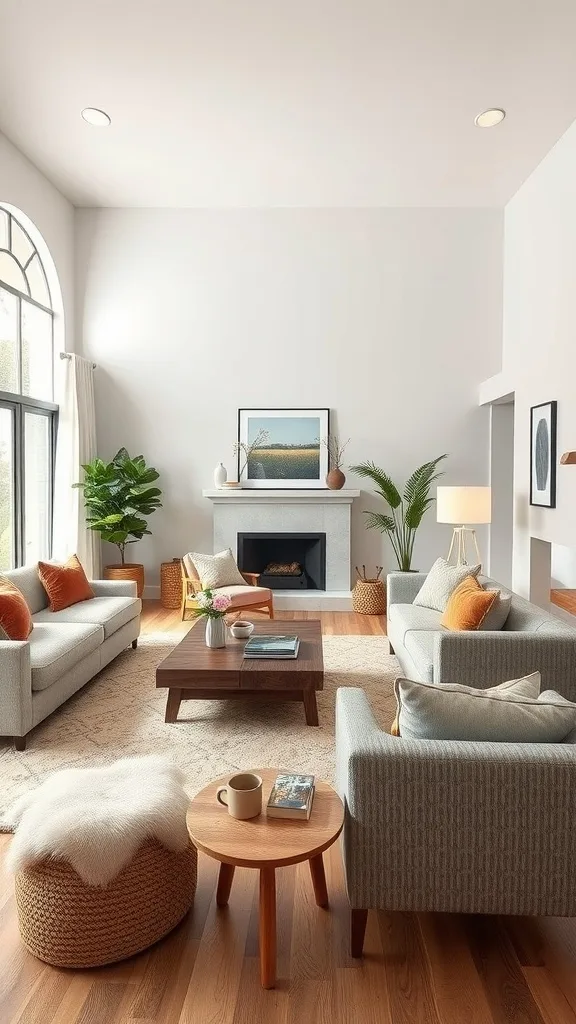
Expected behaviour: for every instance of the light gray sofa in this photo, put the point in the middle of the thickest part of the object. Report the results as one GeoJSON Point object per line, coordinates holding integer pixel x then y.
{"type": "Point", "coordinates": [64, 650]}
{"type": "Point", "coordinates": [531, 640]}
{"type": "Point", "coordinates": [435, 825]}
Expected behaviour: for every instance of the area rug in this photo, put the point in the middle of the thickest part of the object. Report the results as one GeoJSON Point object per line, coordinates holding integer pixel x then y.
{"type": "Point", "coordinates": [121, 713]}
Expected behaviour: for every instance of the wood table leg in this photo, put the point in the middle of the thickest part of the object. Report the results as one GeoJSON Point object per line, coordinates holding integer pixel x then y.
{"type": "Point", "coordinates": [267, 927]}
{"type": "Point", "coordinates": [310, 707]}
{"type": "Point", "coordinates": [173, 704]}
{"type": "Point", "coordinates": [319, 880]}
{"type": "Point", "coordinates": [225, 876]}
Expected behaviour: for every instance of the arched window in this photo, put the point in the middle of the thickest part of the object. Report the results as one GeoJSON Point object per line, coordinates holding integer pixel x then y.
{"type": "Point", "coordinates": [27, 411]}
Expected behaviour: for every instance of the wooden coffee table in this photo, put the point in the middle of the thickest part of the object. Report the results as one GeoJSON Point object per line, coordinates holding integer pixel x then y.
{"type": "Point", "coordinates": [265, 844]}
{"type": "Point", "coordinates": [195, 672]}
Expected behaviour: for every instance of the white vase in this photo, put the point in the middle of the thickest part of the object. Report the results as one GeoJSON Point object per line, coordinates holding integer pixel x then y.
{"type": "Point", "coordinates": [215, 632]}
{"type": "Point", "coordinates": [220, 475]}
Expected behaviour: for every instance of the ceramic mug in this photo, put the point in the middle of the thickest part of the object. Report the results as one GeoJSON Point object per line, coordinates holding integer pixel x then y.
{"type": "Point", "coordinates": [242, 629]}
{"type": "Point", "coordinates": [243, 795]}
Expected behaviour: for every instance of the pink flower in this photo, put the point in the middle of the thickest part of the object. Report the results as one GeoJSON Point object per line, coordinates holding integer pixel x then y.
{"type": "Point", "coordinates": [220, 602]}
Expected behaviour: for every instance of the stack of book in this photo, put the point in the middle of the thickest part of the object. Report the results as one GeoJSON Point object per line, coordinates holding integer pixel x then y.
{"type": "Point", "coordinates": [272, 647]}
{"type": "Point", "coordinates": [291, 797]}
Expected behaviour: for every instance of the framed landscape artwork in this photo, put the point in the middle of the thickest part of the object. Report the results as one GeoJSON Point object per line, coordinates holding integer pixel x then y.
{"type": "Point", "coordinates": [543, 455]}
{"type": "Point", "coordinates": [281, 448]}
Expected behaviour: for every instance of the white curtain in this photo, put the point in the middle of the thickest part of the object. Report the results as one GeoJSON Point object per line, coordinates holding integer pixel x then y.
{"type": "Point", "coordinates": [76, 445]}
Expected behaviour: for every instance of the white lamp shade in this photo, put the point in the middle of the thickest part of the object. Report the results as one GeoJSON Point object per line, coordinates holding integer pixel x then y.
{"type": "Point", "coordinates": [464, 505]}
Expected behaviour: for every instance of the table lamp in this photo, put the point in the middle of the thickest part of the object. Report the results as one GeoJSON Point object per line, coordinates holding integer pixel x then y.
{"type": "Point", "coordinates": [465, 506]}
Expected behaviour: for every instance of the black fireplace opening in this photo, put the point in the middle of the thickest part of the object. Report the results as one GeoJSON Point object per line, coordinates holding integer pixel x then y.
{"type": "Point", "coordinates": [284, 561]}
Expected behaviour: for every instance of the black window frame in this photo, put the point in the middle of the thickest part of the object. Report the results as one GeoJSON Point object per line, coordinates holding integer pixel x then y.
{"type": "Point", "coordinates": [19, 404]}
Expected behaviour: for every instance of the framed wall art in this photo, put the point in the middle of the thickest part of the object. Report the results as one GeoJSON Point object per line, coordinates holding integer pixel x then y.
{"type": "Point", "coordinates": [281, 448]}
{"type": "Point", "coordinates": [543, 455]}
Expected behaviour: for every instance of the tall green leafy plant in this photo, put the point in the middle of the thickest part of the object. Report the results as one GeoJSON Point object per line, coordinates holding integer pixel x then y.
{"type": "Point", "coordinates": [407, 509]}
{"type": "Point", "coordinates": [118, 498]}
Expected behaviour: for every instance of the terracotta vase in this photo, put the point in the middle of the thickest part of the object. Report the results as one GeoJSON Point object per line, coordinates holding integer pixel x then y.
{"type": "Point", "coordinates": [129, 571]}
{"type": "Point", "coordinates": [335, 479]}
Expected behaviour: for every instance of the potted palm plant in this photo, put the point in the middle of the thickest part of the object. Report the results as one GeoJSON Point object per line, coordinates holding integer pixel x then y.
{"type": "Point", "coordinates": [118, 496]}
{"type": "Point", "coordinates": [406, 510]}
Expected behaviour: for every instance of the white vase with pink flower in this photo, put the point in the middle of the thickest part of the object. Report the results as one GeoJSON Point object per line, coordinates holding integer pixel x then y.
{"type": "Point", "coordinates": [213, 606]}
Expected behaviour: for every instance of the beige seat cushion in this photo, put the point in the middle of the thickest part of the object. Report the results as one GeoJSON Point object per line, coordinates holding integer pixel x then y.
{"type": "Point", "coordinates": [109, 612]}
{"type": "Point", "coordinates": [246, 595]}
{"type": "Point", "coordinates": [54, 650]}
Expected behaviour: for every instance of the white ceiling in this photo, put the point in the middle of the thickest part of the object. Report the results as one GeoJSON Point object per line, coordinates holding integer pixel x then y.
{"type": "Point", "coordinates": [299, 103]}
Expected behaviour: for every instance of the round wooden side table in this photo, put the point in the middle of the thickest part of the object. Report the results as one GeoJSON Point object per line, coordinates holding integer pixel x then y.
{"type": "Point", "coordinates": [266, 844]}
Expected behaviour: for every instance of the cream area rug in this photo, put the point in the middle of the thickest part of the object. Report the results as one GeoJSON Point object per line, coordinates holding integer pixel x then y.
{"type": "Point", "coordinates": [121, 713]}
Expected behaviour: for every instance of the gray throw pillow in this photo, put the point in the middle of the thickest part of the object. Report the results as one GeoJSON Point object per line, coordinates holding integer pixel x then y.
{"type": "Point", "coordinates": [500, 714]}
{"type": "Point", "coordinates": [441, 582]}
{"type": "Point", "coordinates": [499, 612]}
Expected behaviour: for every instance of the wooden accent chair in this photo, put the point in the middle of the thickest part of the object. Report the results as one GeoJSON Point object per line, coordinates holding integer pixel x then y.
{"type": "Point", "coordinates": [242, 599]}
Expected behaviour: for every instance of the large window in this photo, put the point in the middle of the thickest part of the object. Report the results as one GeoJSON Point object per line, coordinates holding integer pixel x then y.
{"type": "Point", "coordinates": [27, 411]}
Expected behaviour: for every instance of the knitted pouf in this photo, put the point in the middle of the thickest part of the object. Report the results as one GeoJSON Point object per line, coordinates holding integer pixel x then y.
{"type": "Point", "coordinates": [67, 923]}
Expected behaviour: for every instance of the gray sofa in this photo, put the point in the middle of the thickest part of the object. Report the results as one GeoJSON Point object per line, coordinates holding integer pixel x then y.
{"type": "Point", "coordinates": [64, 650]}
{"type": "Point", "coordinates": [462, 827]}
{"type": "Point", "coordinates": [531, 640]}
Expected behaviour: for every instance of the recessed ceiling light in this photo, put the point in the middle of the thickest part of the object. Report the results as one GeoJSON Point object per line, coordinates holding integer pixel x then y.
{"type": "Point", "coordinates": [99, 118]}
{"type": "Point", "coordinates": [489, 118]}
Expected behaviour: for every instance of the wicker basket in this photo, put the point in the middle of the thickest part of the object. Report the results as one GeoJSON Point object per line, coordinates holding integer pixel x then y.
{"type": "Point", "coordinates": [171, 584]}
{"type": "Point", "coordinates": [69, 924]}
{"type": "Point", "coordinates": [369, 597]}
{"type": "Point", "coordinates": [129, 571]}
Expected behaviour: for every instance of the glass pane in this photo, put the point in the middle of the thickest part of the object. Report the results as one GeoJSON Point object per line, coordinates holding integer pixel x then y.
{"type": "Point", "coordinates": [21, 245]}
{"type": "Point", "coordinates": [7, 518]}
{"type": "Point", "coordinates": [37, 282]}
{"type": "Point", "coordinates": [36, 352]}
{"type": "Point", "coordinates": [8, 341]}
{"type": "Point", "coordinates": [36, 487]}
{"type": "Point", "coordinates": [11, 273]}
{"type": "Point", "coordinates": [3, 230]}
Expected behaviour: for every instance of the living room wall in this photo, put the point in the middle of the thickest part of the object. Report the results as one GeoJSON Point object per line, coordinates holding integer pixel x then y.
{"type": "Point", "coordinates": [539, 348]}
{"type": "Point", "coordinates": [390, 317]}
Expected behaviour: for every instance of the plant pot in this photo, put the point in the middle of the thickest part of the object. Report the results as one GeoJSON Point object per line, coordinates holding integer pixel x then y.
{"type": "Point", "coordinates": [129, 571]}
{"type": "Point", "coordinates": [335, 479]}
{"type": "Point", "coordinates": [215, 632]}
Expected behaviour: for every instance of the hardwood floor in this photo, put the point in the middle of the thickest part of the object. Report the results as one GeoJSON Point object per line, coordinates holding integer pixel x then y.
{"type": "Point", "coordinates": [565, 599]}
{"type": "Point", "coordinates": [417, 969]}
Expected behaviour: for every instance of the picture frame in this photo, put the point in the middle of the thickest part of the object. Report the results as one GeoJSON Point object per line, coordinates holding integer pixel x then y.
{"type": "Point", "coordinates": [291, 453]}
{"type": "Point", "coordinates": [543, 424]}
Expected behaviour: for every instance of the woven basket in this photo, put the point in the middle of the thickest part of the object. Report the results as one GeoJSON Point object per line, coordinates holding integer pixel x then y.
{"type": "Point", "coordinates": [171, 584]}
{"type": "Point", "coordinates": [129, 571]}
{"type": "Point", "coordinates": [369, 597]}
{"type": "Point", "coordinates": [69, 924]}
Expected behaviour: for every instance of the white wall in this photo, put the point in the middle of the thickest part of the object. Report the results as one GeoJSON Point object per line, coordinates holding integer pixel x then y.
{"type": "Point", "coordinates": [24, 187]}
{"type": "Point", "coordinates": [390, 317]}
{"type": "Point", "coordinates": [539, 358]}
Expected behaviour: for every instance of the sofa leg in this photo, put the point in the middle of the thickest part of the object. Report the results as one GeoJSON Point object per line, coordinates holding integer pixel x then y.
{"type": "Point", "coordinates": [358, 919]}
{"type": "Point", "coordinates": [392, 651]}
{"type": "Point", "coordinates": [134, 644]}
{"type": "Point", "coordinates": [19, 743]}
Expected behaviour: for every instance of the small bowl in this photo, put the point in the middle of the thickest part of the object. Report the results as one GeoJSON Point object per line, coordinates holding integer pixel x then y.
{"type": "Point", "coordinates": [242, 629]}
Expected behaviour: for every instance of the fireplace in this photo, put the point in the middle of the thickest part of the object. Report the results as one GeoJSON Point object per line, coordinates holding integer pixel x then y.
{"type": "Point", "coordinates": [284, 561]}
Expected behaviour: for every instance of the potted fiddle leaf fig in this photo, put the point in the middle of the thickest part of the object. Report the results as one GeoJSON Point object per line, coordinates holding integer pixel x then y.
{"type": "Point", "coordinates": [119, 498]}
{"type": "Point", "coordinates": [407, 509]}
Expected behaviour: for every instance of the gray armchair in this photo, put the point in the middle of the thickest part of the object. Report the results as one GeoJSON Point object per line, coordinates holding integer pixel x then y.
{"type": "Point", "coordinates": [450, 826]}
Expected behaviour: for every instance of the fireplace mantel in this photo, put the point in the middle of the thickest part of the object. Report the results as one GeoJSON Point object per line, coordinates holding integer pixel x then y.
{"type": "Point", "coordinates": [239, 510]}
{"type": "Point", "coordinates": [319, 495]}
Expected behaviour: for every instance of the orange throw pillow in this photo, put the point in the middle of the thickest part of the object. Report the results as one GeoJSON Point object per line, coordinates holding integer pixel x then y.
{"type": "Point", "coordinates": [15, 618]}
{"type": "Point", "coordinates": [65, 584]}
{"type": "Point", "coordinates": [468, 605]}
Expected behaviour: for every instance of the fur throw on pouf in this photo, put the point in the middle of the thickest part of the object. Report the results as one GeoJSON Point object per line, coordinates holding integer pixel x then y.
{"type": "Point", "coordinates": [97, 818]}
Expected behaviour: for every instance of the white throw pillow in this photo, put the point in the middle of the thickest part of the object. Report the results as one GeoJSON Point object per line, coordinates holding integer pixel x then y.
{"type": "Point", "coordinates": [218, 570]}
{"type": "Point", "coordinates": [441, 582]}
{"type": "Point", "coordinates": [500, 714]}
{"type": "Point", "coordinates": [499, 611]}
